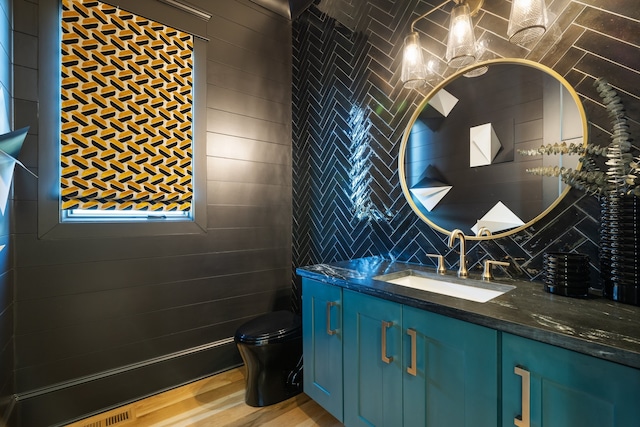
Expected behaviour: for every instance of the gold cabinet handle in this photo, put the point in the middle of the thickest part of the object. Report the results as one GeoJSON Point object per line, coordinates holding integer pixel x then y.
{"type": "Point", "coordinates": [329, 330]}
{"type": "Point", "coordinates": [524, 420]}
{"type": "Point", "coordinates": [385, 325]}
{"type": "Point", "coordinates": [412, 369]}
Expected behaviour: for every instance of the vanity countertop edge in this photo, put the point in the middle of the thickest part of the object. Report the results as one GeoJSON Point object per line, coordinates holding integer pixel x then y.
{"type": "Point", "coordinates": [594, 326]}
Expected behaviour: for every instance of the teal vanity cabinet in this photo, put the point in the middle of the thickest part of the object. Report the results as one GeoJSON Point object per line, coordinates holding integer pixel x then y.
{"type": "Point", "coordinates": [383, 361]}
{"type": "Point", "coordinates": [372, 361]}
{"type": "Point", "coordinates": [410, 367]}
{"type": "Point", "coordinates": [547, 386]}
{"type": "Point", "coordinates": [322, 344]}
{"type": "Point", "coordinates": [451, 374]}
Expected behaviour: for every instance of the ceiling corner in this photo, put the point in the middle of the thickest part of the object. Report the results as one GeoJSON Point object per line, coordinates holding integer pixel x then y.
{"type": "Point", "coordinates": [290, 9]}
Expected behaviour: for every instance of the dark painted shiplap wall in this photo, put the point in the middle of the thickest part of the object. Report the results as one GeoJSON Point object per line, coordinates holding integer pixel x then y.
{"type": "Point", "coordinates": [7, 306]}
{"type": "Point", "coordinates": [104, 321]}
{"type": "Point", "coordinates": [347, 79]}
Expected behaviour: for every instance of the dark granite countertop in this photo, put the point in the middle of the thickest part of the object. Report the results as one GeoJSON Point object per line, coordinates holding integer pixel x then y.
{"type": "Point", "coordinates": [595, 326]}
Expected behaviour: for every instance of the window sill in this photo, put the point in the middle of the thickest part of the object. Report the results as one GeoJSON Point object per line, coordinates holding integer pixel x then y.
{"type": "Point", "coordinates": [102, 229]}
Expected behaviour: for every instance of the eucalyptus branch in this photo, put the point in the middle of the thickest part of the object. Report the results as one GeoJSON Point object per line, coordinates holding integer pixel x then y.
{"type": "Point", "coordinates": [618, 156]}
{"type": "Point", "coordinates": [622, 172]}
{"type": "Point", "coordinates": [594, 182]}
{"type": "Point", "coordinates": [564, 148]}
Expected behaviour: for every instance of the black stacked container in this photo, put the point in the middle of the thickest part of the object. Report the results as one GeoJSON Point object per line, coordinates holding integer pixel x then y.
{"type": "Point", "coordinates": [619, 248]}
{"type": "Point", "coordinates": [566, 274]}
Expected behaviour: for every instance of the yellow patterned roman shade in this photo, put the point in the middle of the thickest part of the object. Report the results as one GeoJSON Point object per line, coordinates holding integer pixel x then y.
{"type": "Point", "coordinates": [126, 111]}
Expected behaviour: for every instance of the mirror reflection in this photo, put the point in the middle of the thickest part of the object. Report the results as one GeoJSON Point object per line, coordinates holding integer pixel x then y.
{"type": "Point", "coordinates": [459, 161]}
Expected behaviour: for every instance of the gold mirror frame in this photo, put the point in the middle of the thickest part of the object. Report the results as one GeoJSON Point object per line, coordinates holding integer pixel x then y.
{"type": "Point", "coordinates": [424, 103]}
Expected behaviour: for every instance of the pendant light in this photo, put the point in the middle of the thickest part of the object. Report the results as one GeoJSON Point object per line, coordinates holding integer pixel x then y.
{"type": "Point", "coordinates": [414, 73]}
{"type": "Point", "coordinates": [481, 47]}
{"type": "Point", "coordinates": [461, 45]}
{"type": "Point", "coordinates": [527, 21]}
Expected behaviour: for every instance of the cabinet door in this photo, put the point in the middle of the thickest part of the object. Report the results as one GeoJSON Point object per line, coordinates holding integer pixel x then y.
{"type": "Point", "coordinates": [322, 344]}
{"type": "Point", "coordinates": [451, 375]}
{"type": "Point", "coordinates": [555, 387]}
{"type": "Point", "coordinates": [372, 361]}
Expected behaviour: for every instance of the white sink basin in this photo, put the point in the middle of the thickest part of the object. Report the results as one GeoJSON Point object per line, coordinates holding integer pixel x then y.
{"type": "Point", "coordinates": [474, 291]}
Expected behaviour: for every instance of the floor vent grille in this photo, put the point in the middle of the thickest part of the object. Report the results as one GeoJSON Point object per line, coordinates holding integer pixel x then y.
{"type": "Point", "coordinates": [116, 418]}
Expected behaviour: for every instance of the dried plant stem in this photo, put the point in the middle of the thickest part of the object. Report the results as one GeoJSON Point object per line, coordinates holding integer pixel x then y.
{"type": "Point", "coordinates": [622, 174]}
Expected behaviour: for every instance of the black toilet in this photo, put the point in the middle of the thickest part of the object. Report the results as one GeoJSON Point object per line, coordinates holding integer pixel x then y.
{"type": "Point", "coordinates": [271, 348]}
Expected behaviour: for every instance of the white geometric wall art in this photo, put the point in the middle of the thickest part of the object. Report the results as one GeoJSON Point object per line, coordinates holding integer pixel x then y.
{"type": "Point", "coordinates": [430, 192]}
{"type": "Point", "coordinates": [498, 218]}
{"type": "Point", "coordinates": [443, 102]}
{"type": "Point", "coordinates": [7, 164]}
{"type": "Point", "coordinates": [5, 127]}
{"type": "Point", "coordinates": [10, 145]}
{"type": "Point", "coordinates": [483, 145]}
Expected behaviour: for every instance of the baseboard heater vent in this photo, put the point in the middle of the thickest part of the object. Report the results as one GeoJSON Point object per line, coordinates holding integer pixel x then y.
{"type": "Point", "coordinates": [116, 418]}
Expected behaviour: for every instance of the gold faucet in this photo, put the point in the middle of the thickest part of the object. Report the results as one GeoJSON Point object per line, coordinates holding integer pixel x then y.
{"type": "Point", "coordinates": [483, 231]}
{"type": "Point", "coordinates": [462, 270]}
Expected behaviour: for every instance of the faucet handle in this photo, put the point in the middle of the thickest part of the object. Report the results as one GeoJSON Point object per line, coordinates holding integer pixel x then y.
{"type": "Point", "coordinates": [486, 274]}
{"type": "Point", "coordinates": [441, 267]}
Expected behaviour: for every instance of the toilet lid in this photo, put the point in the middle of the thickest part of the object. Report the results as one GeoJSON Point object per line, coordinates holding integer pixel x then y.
{"type": "Point", "coordinates": [269, 328]}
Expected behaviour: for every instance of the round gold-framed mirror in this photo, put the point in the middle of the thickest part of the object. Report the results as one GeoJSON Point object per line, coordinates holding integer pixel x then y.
{"type": "Point", "coordinates": [460, 161]}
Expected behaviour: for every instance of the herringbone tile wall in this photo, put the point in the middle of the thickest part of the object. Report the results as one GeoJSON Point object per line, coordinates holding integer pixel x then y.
{"type": "Point", "coordinates": [350, 110]}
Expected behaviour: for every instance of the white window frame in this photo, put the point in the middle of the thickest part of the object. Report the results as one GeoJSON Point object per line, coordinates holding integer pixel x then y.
{"type": "Point", "coordinates": [103, 215]}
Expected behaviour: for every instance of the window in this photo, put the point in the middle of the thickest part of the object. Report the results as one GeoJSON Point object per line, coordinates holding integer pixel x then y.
{"type": "Point", "coordinates": [126, 114]}
{"type": "Point", "coordinates": [119, 146]}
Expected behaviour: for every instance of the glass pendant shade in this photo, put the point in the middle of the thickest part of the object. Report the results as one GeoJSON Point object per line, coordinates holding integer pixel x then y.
{"type": "Point", "coordinates": [527, 21]}
{"type": "Point", "coordinates": [481, 48]}
{"type": "Point", "coordinates": [461, 46]}
{"type": "Point", "coordinates": [476, 72]}
{"type": "Point", "coordinates": [414, 73]}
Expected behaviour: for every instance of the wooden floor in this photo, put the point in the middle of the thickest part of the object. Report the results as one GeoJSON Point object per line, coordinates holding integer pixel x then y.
{"type": "Point", "coordinates": [216, 401]}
